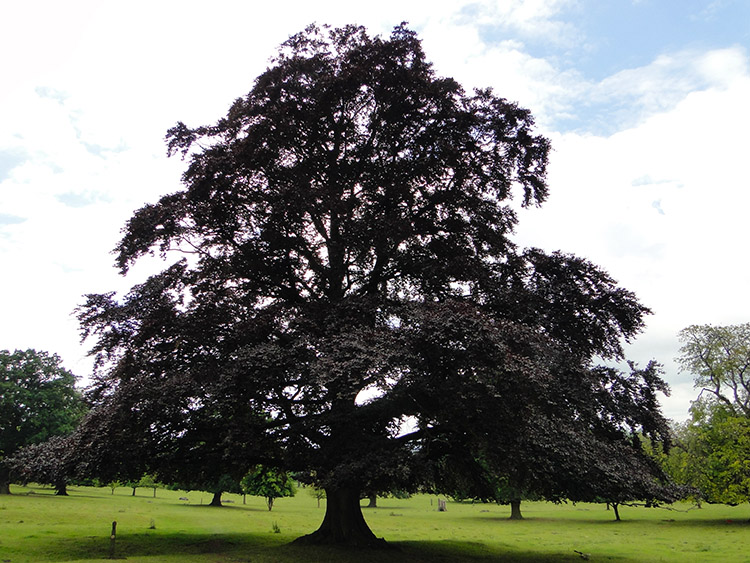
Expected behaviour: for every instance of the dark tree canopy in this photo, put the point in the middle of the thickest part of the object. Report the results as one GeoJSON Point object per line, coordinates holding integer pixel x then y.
{"type": "Point", "coordinates": [38, 400]}
{"type": "Point", "coordinates": [349, 304]}
{"type": "Point", "coordinates": [48, 463]}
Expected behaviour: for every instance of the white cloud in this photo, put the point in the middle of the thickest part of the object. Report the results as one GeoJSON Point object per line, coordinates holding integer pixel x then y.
{"type": "Point", "coordinates": [662, 206]}
{"type": "Point", "coordinates": [532, 19]}
{"type": "Point", "coordinates": [533, 82]}
{"type": "Point", "coordinates": [641, 92]}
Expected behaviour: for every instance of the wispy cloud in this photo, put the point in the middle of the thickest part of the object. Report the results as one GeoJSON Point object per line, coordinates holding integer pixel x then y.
{"type": "Point", "coordinates": [8, 219]}
{"type": "Point", "coordinates": [537, 20]}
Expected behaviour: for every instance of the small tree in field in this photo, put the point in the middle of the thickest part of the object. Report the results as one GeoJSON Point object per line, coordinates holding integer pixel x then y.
{"type": "Point", "coordinates": [149, 481]}
{"type": "Point", "coordinates": [269, 483]}
{"type": "Point", "coordinates": [318, 494]}
{"type": "Point", "coordinates": [343, 298]}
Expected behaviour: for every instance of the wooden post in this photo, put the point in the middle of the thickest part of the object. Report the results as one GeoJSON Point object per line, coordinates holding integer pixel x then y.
{"type": "Point", "coordinates": [112, 540]}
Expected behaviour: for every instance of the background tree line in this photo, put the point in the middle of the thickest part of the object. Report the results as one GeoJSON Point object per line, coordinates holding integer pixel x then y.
{"type": "Point", "coordinates": [710, 453]}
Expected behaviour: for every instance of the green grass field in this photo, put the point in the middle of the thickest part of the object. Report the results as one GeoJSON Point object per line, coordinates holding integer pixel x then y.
{"type": "Point", "coordinates": [36, 526]}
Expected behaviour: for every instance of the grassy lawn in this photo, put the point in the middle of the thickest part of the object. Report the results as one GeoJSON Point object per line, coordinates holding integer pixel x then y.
{"type": "Point", "coordinates": [36, 526]}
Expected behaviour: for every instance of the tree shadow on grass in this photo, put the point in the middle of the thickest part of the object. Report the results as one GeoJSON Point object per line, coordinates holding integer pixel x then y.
{"type": "Point", "coordinates": [505, 519]}
{"type": "Point", "coordinates": [448, 551]}
{"type": "Point", "coordinates": [386, 507]}
{"type": "Point", "coordinates": [740, 522]}
{"type": "Point", "coordinates": [224, 507]}
{"type": "Point", "coordinates": [270, 547]}
{"type": "Point", "coordinates": [143, 545]}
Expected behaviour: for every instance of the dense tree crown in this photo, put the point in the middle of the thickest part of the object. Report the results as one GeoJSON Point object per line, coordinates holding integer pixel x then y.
{"type": "Point", "coordinates": [38, 400]}
{"type": "Point", "coordinates": [47, 463]}
{"type": "Point", "coordinates": [349, 304]}
{"type": "Point", "coordinates": [713, 447]}
{"type": "Point", "coordinates": [269, 483]}
{"type": "Point", "coordinates": [718, 357]}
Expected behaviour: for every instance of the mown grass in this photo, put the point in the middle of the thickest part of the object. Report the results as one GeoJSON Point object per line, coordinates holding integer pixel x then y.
{"type": "Point", "coordinates": [36, 526]}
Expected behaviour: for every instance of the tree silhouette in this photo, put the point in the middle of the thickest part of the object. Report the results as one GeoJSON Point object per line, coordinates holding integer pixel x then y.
{"type": "Point", "coordinates": [346, 302]}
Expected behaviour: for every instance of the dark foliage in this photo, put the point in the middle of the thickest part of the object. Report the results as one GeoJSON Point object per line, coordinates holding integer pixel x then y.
{"type": "Point", "coordinates": [349, 305]}
{"type": "Point", "coordinates": [47, 463]}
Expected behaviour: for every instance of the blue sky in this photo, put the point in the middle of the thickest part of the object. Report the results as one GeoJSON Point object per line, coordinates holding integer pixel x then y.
{"type": "Point", "coordinates": [598, 39]}
{"type": "Point", "coordinates": [621, 34]}
{"type": "Point", "coordinates": [645, 102]}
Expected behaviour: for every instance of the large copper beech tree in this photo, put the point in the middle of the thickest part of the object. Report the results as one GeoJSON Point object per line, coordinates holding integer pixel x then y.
{"type": "Point", "coordinates": [342, 299]}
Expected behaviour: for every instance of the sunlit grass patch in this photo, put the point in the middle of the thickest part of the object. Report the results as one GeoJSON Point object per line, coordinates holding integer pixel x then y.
{"type": "Point", "coordinates": [40, 527]}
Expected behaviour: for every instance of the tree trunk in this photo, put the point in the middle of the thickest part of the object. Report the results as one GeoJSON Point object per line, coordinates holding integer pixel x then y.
{"type": "Point", "coordinates": [617, 512]}
{"type": "Point", "coordinates": [515, 510]}
{"type": "Point", "coordinates": [343, 523]}
{"type": "Point", "coordinates": [61, 489]}
{"type": "Point", "coordinates": [4, 480]}
{"type": "Point", "coordinates": [216, 501]}
{"type": "Point", "coordinates": [373, 501]}
{"type": "Point", "coordinates": [269, 503]}
{"type": "Point", "coordinates": [134, 491]}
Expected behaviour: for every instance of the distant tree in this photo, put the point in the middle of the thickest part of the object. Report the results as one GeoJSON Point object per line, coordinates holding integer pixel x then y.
{"type": "Point", "coordinates": [38, 400]}
{"type": "Point", "coordinates": [47, 463]}
{"type": "Point", "coordinates": [586, 444]}
{"type": "Point", "coordinates": [372, 500]}
{"type": "Point", "coordinates": [223, 484]}
{"type": "Point", "coordinates": [149, 481]}
{"type": "Point", "coordinates": [713, 447]}
{"type": "Point", "coordinates": [616, 463]}
{"type": "Point", "coordinates": [268, 482]}
{"type": "Point", "coordinates": [146, 480]}
{"type": "Point", "coordinates": [188, 438]}
{"type": "Point", "coordinates": [710, 455]}
{"type": "Point", "coordinates": [718, 357]}
{"type": "Point", "coordinates": [317, 493]}
{"type": "Point", "coordinates": [217, 485]}
{"type": "Point", "coordinates": [724, 469]}
{"type": "Point", "coordinates": [349, 303]}
{"type": "Point", "coordinates": [372, 496]}
{"type": "Point", "coordinates": [487, 485]}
